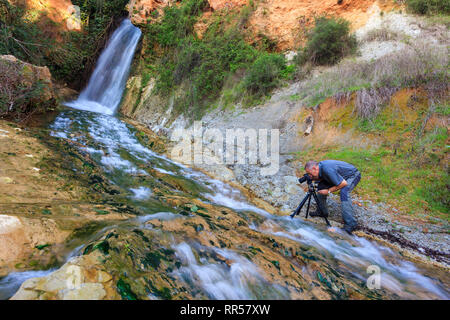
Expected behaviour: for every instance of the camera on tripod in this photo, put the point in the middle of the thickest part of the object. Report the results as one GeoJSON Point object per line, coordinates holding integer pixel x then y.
{"type": "Point", "coordinates": [310, 194]}
{"type": "Point", "coordinates": [306, 177]}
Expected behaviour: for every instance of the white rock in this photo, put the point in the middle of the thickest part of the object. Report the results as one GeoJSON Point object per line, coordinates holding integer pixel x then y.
{"type": "Point", "coordinates": [9, 224]}
{"type": "Point", "coordinates": [87, 291]}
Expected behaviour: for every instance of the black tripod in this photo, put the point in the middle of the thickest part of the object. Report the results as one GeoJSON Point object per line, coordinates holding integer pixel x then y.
{"type": "Point", "coordinates": [311, 193]}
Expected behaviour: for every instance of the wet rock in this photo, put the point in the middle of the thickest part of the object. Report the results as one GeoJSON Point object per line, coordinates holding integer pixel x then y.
{"type": "Point", "coordinates": [79, 279]}
{"type": "Point", "coordinates": [86, 291]}
{"type": "Point", "coordinates": [292, 185]}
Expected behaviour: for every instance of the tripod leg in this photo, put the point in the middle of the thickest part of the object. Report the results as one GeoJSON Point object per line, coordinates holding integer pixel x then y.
{"type": "Point", "coordinates": [307, 208]}
{"type": "Point", "coordinates": [319, 207]}
{"type": "Point", "coordinates": [300, 206]}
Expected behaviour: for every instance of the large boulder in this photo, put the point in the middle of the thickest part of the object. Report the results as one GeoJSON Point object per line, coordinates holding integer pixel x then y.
{"type": "Point", "coordinates": [23, 86]}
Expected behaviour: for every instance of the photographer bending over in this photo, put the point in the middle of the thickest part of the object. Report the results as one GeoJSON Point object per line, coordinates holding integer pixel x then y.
{"type": "Point", "coordinates": [334, 175]}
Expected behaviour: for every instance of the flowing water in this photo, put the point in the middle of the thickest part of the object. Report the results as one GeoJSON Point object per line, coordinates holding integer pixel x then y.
{"type": "Point", "coordinates": [205, 268]}
{"type": "Point", "coordinates": [106, 84]}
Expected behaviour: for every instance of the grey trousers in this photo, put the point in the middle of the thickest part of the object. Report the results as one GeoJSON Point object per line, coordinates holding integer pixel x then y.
{"type": "Point", "coordinates": [346, 202]}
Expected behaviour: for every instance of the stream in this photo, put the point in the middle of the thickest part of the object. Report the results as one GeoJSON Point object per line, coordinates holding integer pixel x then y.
{"type": "Point", "coordinates": [206, 265]}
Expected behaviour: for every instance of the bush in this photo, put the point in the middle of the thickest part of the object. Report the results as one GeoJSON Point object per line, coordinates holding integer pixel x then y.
{"type": "Point", "coordinates": [429, 6]}
{"type": "Point", "coordinates": [177, 23]}
{"type": "Point", "coordinates": [328, 42]}
{"type": "Point", "coordinates": [265, 74]}
{"type": "Point", "coordinates": [17, 97]}
{"type": "Point", "coordinates": [20, 37]}
{"type": "Point", "coordinates": [202, 66]}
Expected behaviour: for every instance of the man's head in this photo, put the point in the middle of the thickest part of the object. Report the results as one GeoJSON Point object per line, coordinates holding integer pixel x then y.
{"type": "Point", "coordinates": [312, 168]}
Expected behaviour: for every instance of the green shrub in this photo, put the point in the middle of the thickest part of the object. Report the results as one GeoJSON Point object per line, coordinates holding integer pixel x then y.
{"type": "Point", "coordinates": [202, 66]}
{"type": "Point", "coordinates": [20, 37]}
{"type": "Point", "coordinates": [328, 42]}
{"type": "Point", "coordinates": [177, 23]}
{"type": "Point", "coordinates": [18, 98]}
{"type": "Point", "coordinates": [429, 6]}
{"type": "Point", "coordinates": [68, 59]}
{"type": "Point", "coordinates": [265, 74]}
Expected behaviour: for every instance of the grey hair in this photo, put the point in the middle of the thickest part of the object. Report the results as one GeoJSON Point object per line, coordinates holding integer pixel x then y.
{"type": "Point", "coordinates": [311, 164]}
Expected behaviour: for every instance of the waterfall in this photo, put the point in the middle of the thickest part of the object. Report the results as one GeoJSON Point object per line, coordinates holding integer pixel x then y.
{"type": "Point", "coordinates": [106, 85]}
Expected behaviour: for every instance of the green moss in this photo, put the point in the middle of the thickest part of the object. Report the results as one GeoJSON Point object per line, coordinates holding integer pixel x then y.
{"type": "Point", "coordinates": [254, 250]}
{"type": "Point", "coordinates": [42, 246]}
{"type": "Point", "coordinates": [153, 259]}
{"type": "Point", "coordinates": [125, 291]}
{"type": "Point", "coordinates": [46, 212]}
{"type": "Point", "coordinates": [102, 246]}
{"type": "Point", "coordinates": [276, 264]}
{"type": "Point", "coordinates": [101, 212]}
{"type": "Point", "coordinates": [86, 230]}
{"type": "Point", "coordinates": [139, 232]}
{"type": "Point", "coordinates": [163, 293]}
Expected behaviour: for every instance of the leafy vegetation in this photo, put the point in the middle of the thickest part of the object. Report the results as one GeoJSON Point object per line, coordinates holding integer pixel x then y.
{"type": "Point", "coordinates": [265, 74]}
{"type": "Point", "coordinates": [19, 36]}
{"type": "Point", "coordinates": [20, 96]}
{"type": "Point", "coordinates": [202, 66]}
{"type": "Point", "coordinates": [429, 6]}
{"type": "Point", "coordinates": [328, 41]}
{"type": "Point", "coordinates": [30, 39]}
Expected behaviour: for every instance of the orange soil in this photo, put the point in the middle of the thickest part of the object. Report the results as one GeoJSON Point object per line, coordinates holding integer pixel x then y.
{"type": "Point", "coordinates": [281, 20]}
{"type": "Point", "coordinates": [285, 21]}
{"type": "Point", "coordinates": [56, 10]}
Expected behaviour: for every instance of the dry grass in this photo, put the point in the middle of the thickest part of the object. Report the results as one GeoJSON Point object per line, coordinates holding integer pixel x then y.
{"type": "Point", "coordinates": [419, 64]}
{"type": "Point", "coordinates": [17, 94]}
{"type": "Point", "coordinates": [370, 101]}
{"type": "Point", "coordinates": [383, 34]}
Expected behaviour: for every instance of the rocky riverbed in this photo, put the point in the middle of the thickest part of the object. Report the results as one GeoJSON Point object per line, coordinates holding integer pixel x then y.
{"type": "Point", "coordinates": [165, 231]}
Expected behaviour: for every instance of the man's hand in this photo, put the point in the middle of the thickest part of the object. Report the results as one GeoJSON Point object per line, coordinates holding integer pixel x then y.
{"type": "Point", "coordinates": [324, 192]}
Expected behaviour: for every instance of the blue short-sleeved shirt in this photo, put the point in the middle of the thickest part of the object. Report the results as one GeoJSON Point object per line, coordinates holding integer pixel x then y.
{"type": "Point", "coordinates": [334, 171]}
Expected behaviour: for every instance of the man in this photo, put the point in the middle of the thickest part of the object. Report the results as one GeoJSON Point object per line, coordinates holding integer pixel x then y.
{"type": "Point", "coordinates": [335, 175]}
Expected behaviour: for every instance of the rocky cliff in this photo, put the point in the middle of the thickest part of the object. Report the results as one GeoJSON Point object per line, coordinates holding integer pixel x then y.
{"type": "Point", "coordinates": [282, 21]}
